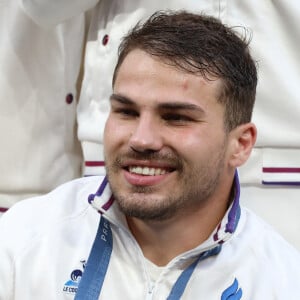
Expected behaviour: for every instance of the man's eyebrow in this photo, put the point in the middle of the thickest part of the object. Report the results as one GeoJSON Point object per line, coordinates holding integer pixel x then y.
{"type": "Point", "coordinates": [181, 106]}
{"type": "Point", "coordinates": [121, 99]}
{"type": "Point", "coordinates": [166, 105]}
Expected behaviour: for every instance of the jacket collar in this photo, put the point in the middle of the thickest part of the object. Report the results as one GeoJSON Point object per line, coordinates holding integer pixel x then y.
{"type": "Point", "coordinates": [103, 202]}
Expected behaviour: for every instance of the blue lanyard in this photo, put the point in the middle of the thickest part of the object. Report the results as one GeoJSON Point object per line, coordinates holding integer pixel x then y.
{"type": "Point", "coordinates": [95, 270]}
{"type": "Point", "coordinates": [182, 281]}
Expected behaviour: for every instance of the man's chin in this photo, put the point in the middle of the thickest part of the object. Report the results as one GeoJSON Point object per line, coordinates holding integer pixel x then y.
{"type": "Point", "coordinates": [145, 206]}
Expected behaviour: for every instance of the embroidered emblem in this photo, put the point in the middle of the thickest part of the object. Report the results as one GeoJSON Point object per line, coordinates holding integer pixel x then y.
{"type": "Point", "coordinates": [233, 292]}
{"type": "Point", "coordinates": [71, 285]}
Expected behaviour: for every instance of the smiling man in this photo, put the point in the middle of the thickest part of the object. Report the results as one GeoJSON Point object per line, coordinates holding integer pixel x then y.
{"type": "Point", "coordinates": [171, 226]}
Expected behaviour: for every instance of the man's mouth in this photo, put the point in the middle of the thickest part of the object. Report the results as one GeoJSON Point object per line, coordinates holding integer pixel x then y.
{"type": "Point", "coordinates": [148, 171]}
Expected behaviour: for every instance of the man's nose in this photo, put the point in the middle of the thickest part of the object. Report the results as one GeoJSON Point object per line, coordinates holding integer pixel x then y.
{"type": "Point", "coordinates": [147, 134]}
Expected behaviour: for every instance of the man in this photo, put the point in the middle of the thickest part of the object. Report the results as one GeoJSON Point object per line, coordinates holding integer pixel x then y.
{"type": "Point", "coordinates": [170, 222]}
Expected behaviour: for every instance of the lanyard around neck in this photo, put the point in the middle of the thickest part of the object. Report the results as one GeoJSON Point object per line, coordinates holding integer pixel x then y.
{"type": "Point", "coordinates": [182, 281]}
{"type": "Point", "coordinates": [95, 270]}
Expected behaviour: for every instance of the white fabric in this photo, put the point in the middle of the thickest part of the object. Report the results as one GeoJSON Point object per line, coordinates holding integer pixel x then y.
{"type": "Point", "coordinates": [50, 243]}
{"type": "Point", "coordinates": [278, 206]}
{"type": "Point", "coordinates": [39, 68]}
{"type": "Point", "coordinates": [48, 13]}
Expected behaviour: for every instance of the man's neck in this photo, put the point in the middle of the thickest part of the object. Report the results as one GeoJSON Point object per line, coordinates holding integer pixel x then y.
{"type": "Point", "coordinates": [161, 241]}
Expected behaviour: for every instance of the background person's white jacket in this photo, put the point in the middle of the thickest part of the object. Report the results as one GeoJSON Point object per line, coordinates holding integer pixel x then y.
{"type": "Point", "coordinates": [44, 254]}
{"type": "Point", "coordinates": [39, 67]}
{"type": "Point", "coordinates": [271, 176]}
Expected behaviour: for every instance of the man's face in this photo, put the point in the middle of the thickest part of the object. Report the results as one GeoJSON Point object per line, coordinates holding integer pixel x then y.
{"type": "Point", "coordinates": [164, 140]}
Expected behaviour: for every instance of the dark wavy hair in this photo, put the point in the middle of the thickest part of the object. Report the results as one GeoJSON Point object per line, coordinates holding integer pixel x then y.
{"type": "Point", "coordinates": [201, 45]}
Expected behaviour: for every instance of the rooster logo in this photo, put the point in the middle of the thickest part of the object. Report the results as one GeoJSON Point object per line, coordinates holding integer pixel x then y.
{"type": "Point", "coordinates": [233, 292]}
{"type": "Point", "coordinates": [71, 285]}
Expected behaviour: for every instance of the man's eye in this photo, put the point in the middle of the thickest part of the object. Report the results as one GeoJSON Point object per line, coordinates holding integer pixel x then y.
{"type": "Point", "coordinates": [176, 118]}
{"type": "Point", "coordinates": [126, 112]}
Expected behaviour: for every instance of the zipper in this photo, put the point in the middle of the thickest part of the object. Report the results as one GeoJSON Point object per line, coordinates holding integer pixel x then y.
{"type": "Point", "coordinates": [149, 295]}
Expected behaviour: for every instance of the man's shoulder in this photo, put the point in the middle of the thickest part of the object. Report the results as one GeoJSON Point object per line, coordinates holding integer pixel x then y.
{"type": "Point", "coordinates": [33, 217]}
{"type": "Point", "coordinates": [264, 260]}
{"type": "Point", "coordinates": [67, 197]}
{"type": "Point", "coordinates": [267, 243]}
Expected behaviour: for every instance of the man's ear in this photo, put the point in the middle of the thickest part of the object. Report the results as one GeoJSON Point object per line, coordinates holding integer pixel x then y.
{"type": "Point", "coordinates": [242, 140]}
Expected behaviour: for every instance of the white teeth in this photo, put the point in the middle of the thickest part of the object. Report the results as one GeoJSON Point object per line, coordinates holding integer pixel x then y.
{"type": "Point", "coordinates": [160, 172]}
{"type": "Point", "coordinates": [147, 171]}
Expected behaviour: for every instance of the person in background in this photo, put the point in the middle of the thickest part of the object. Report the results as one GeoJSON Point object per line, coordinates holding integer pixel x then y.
{"type": "Point", "coordinates": [38, 98]}
{"type": "Point", "coordinates": [271, 177]}
{"type": "Point", "coordinates": [167, 212]}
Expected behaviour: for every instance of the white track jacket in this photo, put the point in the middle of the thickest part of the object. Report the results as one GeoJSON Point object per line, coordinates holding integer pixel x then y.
{"type": "Point", "coordinates": [44, 254]}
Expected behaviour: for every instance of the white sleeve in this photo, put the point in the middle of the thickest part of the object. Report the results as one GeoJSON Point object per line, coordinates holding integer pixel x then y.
{"type": "Point", "coordinates": [48, 13]}
{"type": "Point", "coordinates": [6, 258]}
